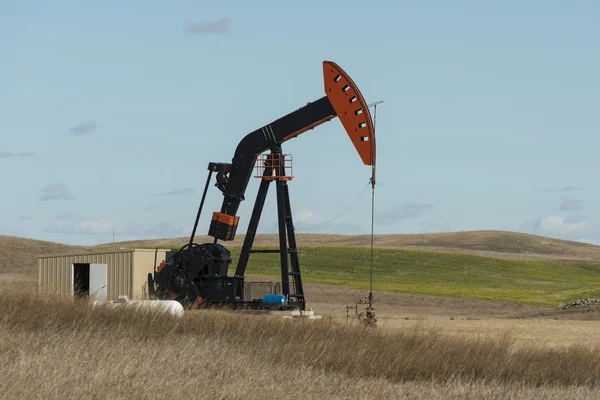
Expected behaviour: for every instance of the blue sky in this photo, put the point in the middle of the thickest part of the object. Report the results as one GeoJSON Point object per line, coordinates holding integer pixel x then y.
{"type": "Point", "coordinates": [111, 110]}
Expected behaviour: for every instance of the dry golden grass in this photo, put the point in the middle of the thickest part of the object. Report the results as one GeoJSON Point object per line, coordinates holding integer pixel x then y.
{"type": "Point", "coordinates": [54, 348]}
{"type": "Point", "coordinates": [59, 348]}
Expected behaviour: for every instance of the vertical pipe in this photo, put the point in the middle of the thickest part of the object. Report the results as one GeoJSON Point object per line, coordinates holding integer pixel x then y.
{"type": "Point", "coordinates": [155, 258]}
{"type": "Point", "coordinates": [199, 210]}
{"type": "Point", "coordinates": [372, 213]}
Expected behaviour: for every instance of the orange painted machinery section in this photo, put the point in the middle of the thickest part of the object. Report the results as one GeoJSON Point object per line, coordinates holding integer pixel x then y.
{"type": "Point", "coordinates": [352, 110]}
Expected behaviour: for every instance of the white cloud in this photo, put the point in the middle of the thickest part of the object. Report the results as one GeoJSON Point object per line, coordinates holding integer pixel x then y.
{"type": "Point", "coordinates": [83, 128]}
{"type": "Point", "coordinates": [184, 191]}
{"type": "Point", "coordinates": [23, 154]}
{"type": "Point", "coordinates": [123, 230]}
{"type": "Point", "coordinates": [575, 227]}
{"type": "Point", "coordinates": [82, 227]}
{"type": "Point", "coordinates": [308, 221]}
{"type": "Point", "coordinates": [395, 214]}
{"type": "Point", "coordinates": [12, 231]}
{"type": "Point", "coordinates": [308, 217]}
{"type": "Point", "coordinates": [570, 204]}
{"type": "Point", "coordinates": [161, 229]}
{"type": "Point", "coordinates": [434, 225]}
{"type": "Point", "coordinates": [564, 189]}
{"type": "Point", "coordinates": [56, 191]}
{"type": "Point", "coordinates": [65, 217]}
{"type": "Point", "coordinates": [220, 27]}
{"type": "Point", "coordinates": [562, 226]}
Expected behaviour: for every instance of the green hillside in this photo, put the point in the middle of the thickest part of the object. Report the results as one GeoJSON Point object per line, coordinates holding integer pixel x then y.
{"type": "Point", "coordinates": [413, 271]}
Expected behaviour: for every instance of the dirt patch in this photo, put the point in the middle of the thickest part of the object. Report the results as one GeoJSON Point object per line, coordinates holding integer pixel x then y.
{"type": "Point", "coordinates": [331, 301]}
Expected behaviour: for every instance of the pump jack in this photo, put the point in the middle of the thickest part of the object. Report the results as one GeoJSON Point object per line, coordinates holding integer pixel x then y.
{"type": "Point", "coordinates": [196, 274]}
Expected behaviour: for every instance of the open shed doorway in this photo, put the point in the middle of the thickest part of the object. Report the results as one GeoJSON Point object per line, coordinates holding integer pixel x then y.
{"type": "Point", "coordinates": [89, 280]}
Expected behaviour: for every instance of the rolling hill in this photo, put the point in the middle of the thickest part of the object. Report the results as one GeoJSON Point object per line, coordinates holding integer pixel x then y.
{"type": "Point", "coordinates": [485, 265]}
{"type": "Point", "coordinates": [496, 244]}
{"type": "Point", "coordinates": [19, 255]}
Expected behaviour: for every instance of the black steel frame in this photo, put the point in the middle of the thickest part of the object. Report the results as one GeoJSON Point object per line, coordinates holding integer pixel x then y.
{"type": "Point", "coordinates": [288, 251]}
{"type": "Point", "coordinates": [263, 139]}
{"type": "Point", "coordinates": [232, 180]}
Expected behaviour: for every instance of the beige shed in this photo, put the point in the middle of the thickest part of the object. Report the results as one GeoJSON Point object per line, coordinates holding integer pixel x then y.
{"type": "Point", "coordinates": [104, 274]}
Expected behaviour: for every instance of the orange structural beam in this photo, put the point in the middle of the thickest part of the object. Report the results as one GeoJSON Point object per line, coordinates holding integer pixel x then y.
{"type": "Point", "coordinates": [352, 110]}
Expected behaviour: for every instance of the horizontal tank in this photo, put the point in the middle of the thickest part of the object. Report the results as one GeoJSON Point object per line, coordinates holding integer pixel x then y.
{"type": "Point", "coordinates": [274, 300]}
{"type": "Point", "coordinates": [171, 307]}
{"type": "Point", "coordinates": [161, 306]}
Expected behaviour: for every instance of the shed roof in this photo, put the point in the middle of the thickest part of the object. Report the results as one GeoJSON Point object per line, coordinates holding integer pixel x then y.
{"type": "Point", "coordinates": [101, 251]}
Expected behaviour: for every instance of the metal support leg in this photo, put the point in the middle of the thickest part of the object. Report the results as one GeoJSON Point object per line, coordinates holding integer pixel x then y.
{"type": "Point", "coordinates": [285, 279]}
{"type": "Point", "coordinates": [253, 224]}
{"type": "Point", "coordinates": [287, 237]}
{"type": "Point", "coordinates": [295, 263]}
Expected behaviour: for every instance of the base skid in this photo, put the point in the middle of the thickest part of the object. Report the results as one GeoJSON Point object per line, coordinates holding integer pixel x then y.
{"type": "Point", "coordinates": [257, 308]}
{"type": "Point", "coordinates": [231, 305]}
{"type": "Point", "coordinates": [292, 314]}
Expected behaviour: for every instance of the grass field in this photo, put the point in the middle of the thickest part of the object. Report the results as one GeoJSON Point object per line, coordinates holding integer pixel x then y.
{"type": "Point", "coordinates": [549, 283]}
{"type": "Point", "coordinates": [438, 337]}
{"type": "Point", "coordinates": [56, 348]}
